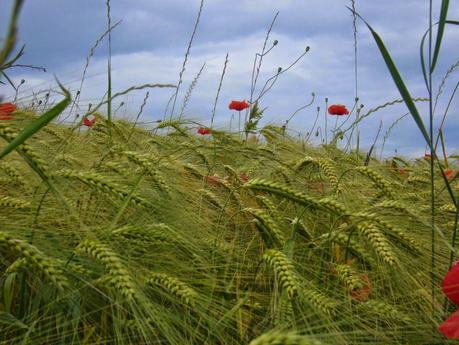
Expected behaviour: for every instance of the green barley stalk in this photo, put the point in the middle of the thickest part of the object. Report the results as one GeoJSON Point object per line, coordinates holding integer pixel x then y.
{"type": "Point", "coordinates": [32, 255]}
{"type": "Point", "coordinates": [284, 338]}
{"type": "Point", "coordinates": [101, 183]}
{"type": "Point", "coordinates": [174, 286]}
{"type": "Point", "coordinates": [118, 276]}
{"type": "Point", "coordinates": [284, 270]}
{"type": "Point", "coordinates": [270, 231]}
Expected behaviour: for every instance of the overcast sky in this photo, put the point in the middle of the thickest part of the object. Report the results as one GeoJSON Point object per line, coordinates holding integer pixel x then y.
{"type": "Point", "coordinates": [150, 43]}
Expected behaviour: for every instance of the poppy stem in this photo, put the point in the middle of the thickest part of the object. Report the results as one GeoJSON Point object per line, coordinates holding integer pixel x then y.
{"type": "Point", "coordinates": [239, 125]}
{"type": "Point", "coordinates": [326, 122]}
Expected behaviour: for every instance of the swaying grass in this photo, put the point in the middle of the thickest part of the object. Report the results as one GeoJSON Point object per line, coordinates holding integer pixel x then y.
{"type": "Point", "coordinates": [221, 261]}
{"type": "Point", "coordinates": [163, 237]}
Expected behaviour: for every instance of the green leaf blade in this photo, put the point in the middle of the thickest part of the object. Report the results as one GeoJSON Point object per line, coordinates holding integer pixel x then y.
{"type": "Point", "coordinates": [398, 80]}
{"type": "Point", "coordinates": [440, 31]}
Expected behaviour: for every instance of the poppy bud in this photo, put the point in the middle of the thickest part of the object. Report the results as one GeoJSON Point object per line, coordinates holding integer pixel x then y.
{"type": "Point", "coordinates": [22, 81]}
{"type": "Point", "coordinates": [279, 69]}
{"type": "Point", "coordinates": [275, 42]}
{"type": "Point", "coordinates": [307, 49]}
{"type": "Point", "coordinates": [326, 99]}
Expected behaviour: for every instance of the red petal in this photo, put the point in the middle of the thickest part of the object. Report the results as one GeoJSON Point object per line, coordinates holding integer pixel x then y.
{"type": "Point", "coordinates": [7, 108]}
{"type": "Point", "coordinates": [337, 109]}
{"type": "Point", "coordinates": [89, 122]}
{"type": "Point", "coordinates": [362, 293]}
{"type": "Point", "coordinates": [213, 180]}
{"type": "Point", "coordinates": [450, 284]}
{"type": "Point", "coordinates": [450, 328]}
{"type": "Point", "coordinates": [238, 105]}
{"type": "Point", "coordinates": [203, 130]}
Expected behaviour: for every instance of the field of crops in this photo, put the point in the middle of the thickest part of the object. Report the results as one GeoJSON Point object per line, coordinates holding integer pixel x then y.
{"type": "Point", "coordinates": [171, 237]}
{"type": "Point", "coordinates": [122, 232]}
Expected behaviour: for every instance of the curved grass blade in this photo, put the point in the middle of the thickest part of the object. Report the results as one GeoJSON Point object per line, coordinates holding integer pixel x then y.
{"type": "Point", "coordinates": [440, 31]}
{"type": "Point", "coordinates": [11, 321]}
{"type": "Point", "coordinates": [423, 64]}
{"type": "Point", "coordinates": [10, 40]}
{"type": "Point", "coordinates": [399, 82]}
{"type": "Point", "coordinates": [42, 121]}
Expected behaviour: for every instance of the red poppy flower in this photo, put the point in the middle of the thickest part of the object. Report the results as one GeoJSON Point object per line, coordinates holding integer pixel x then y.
{"type": "Point", "coordinates": [203, 130]}
{"type": "Point", "coordinates": [89, 122]}
{"type": "Point", "coordinates": [401, 171]}
{"type": "Point", "coordinates": [450, 174]}
{"type": "Point", "coordinates": [244, 177]}
{"type": "Point", "coordinates": [361, 294]}
{"type": "Point", "coordinates": [6, 109]}
{"type": "Point", "coordinates": [238, 105]}
{"type": "Point", "coordinates": [317, 186]}
{"type": "Point", "coordinates": [450, 328]}
{"type": "Point", "coordinates": [213, 180]}
{"type": "Point", "coordinates": [338, 109]}
{"type": "Point", "coordinates": [427, 156]}
{"type": "Point", "coordinates": [450, 284]}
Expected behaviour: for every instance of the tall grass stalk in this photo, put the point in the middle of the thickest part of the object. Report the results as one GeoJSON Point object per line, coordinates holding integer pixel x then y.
{"type": "Point", "coordinates": [185, 60]}
{"type": "Point", "coordinates": [218, 91]}
{"type": "Point", "coordinates": [109, 73]}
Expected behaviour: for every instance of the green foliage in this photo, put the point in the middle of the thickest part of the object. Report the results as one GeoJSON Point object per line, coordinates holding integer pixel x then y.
{"type": "Point", "coordinates": [255, 116]}
{"type": "Point", "coordinates": [215, 253]}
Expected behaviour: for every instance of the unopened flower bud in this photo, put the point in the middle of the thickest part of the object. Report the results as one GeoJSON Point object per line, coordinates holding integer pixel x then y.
{"type": "Point", "coordinates": [275, 42]}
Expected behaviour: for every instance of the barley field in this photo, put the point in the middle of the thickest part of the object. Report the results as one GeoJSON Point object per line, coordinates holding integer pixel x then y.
{"type": "Point", "coordinates": [114, 233]}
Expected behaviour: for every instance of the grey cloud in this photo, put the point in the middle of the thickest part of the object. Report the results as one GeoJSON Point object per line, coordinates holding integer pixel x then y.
{"type": "Point", "coordinates": [150, 44]}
